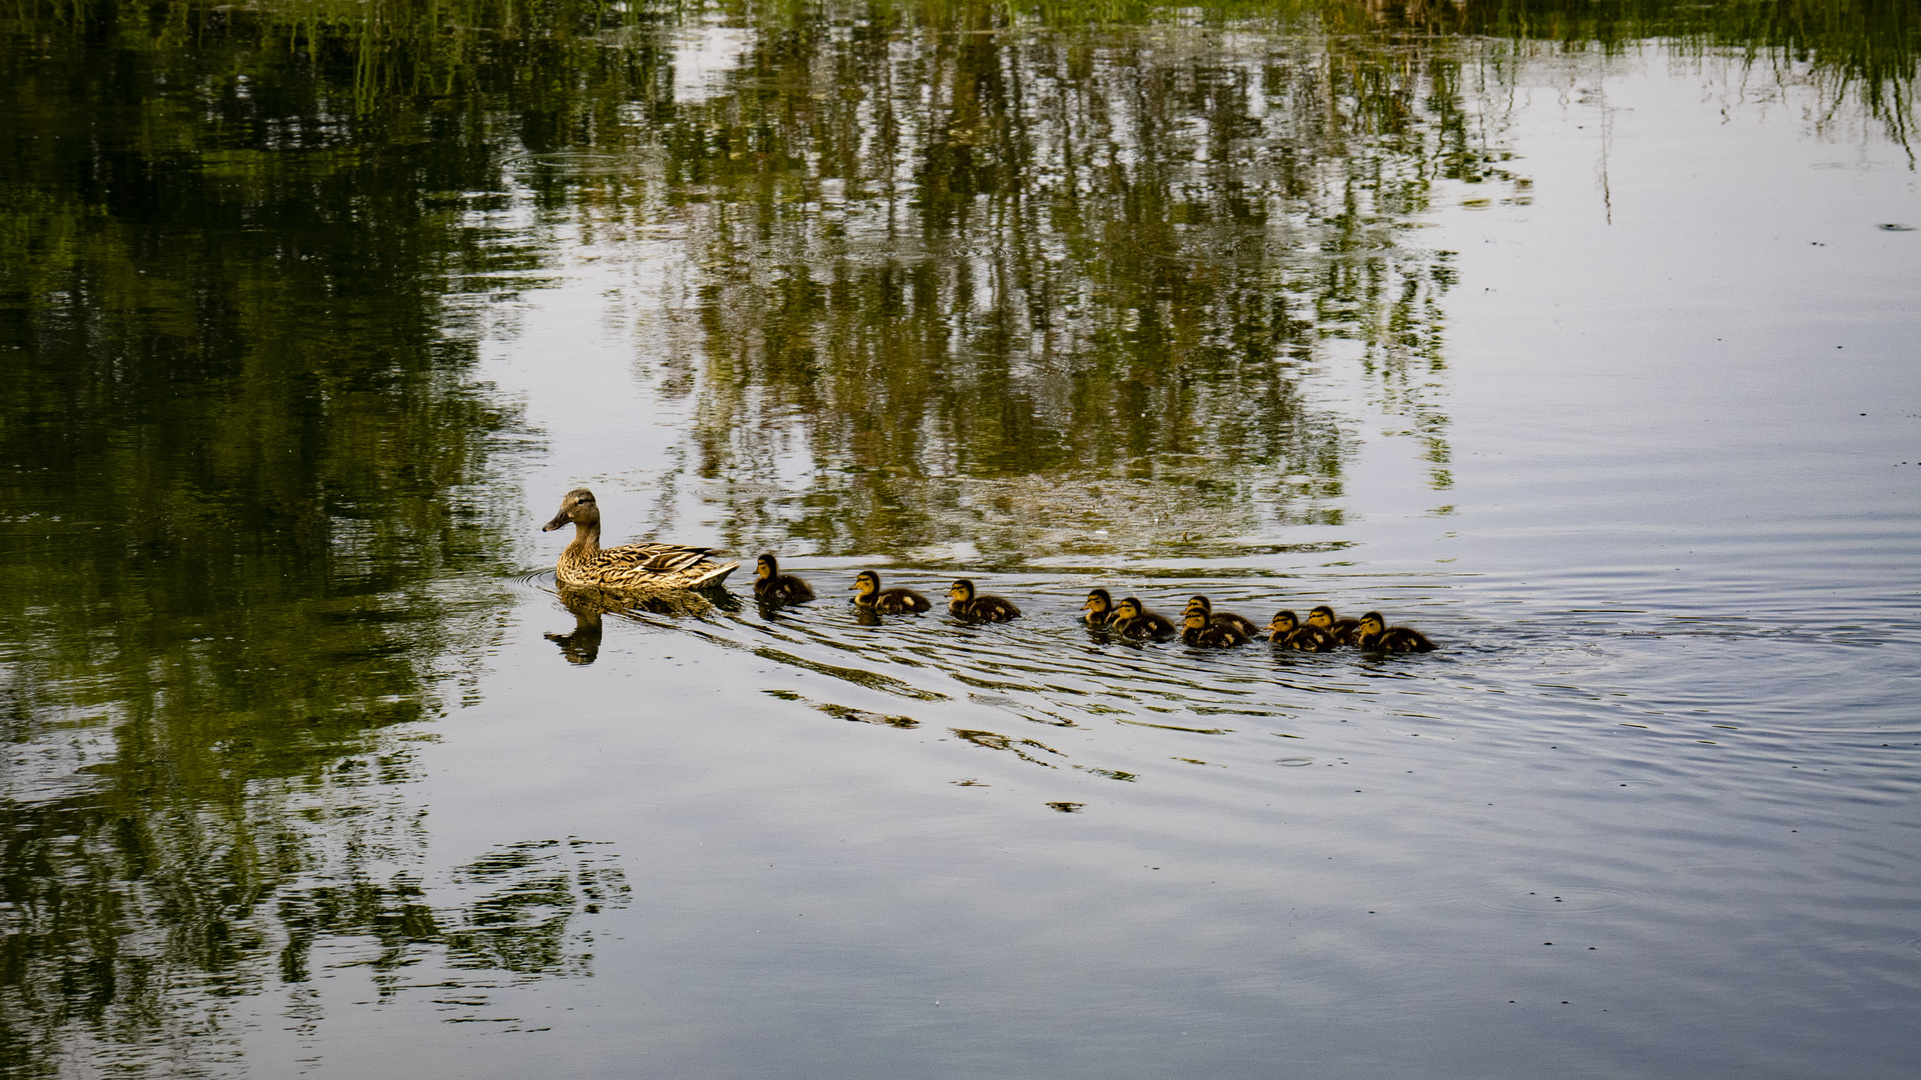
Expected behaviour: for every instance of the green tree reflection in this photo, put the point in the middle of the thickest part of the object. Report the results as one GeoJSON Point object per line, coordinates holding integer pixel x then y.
{"type": "Point", "coordinates": [1026, 287]}
{"type": "Point", "coordinates": [1009, 273]}
{"type": "Point", "coordinates": [245, 524]}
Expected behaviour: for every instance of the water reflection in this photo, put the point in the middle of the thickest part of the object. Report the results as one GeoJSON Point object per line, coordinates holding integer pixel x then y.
{"type": "Point", "coordinates": [1023, 288]}
{"type": "Point", "coordinates": [581, 646]}
{"type": "Point", "coordinates": [960, 275]}
{"type": "Point", "coordinates": [251, 522]}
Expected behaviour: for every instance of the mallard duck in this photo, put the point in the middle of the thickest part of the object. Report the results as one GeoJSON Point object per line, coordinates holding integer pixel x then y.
{"type": "Point", "coordinates": [1241, 625]}
{"type": "Point", "coordinates": [629, 567]}
{"type": "Point", "coordinates": [1344, 631]}
{"type": "Point", "coordinates": [869, 594]}
{"type": "Point", "coordinates": [1377, 636]}
{"type": "Point", "coordinates": [963, 603]}
{"type": "Point", "coordinates": [1135, 621]}
{"type": "Point", "coordinates": [1199, 631]}
{"type": "Point", "coordinates": [771, 584]}
{"type": "Point", "coordinates": [1099, 607]}
{"type": "Point", "coordinates": [1287, 632]}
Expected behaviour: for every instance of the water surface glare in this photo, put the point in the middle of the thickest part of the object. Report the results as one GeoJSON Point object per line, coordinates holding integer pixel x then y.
{"type": "Point", "coordinates": [1585, 348]}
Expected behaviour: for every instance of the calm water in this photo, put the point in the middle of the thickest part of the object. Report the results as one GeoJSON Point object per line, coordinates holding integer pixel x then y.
{"type": "Point", "coordinates": [1585, 343]}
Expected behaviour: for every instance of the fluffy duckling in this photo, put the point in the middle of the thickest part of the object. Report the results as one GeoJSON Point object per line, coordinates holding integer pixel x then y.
{"type": "Point", "coordinates": [771, 584]}
{"type": "Point", "coordinates": [870, 595]}
{"type": "Point", "coordinates": [1135, 621]}
{"type": "Point", "coordinates": [1199, 631]}
{"type": "Point", "coordinates": [1287, 632]}
{"type": "Point", "coordinates": [1240, 624]}
{"type": "Point", "coordinates": [1099, 607]}
{"type": "Point", "coordinates": [1377, 636]}
{"type": "Point", "coordinates": [963, 603]}
{"type": "Point", "coordinates": [1344, 631]}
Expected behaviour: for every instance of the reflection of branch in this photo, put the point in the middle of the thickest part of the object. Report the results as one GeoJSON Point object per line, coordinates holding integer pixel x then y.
{"type": "Point", "coordinates": [1115, 278]}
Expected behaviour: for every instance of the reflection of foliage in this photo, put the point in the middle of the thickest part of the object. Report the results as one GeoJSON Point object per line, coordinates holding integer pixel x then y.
{"type": "Point", "coordinates": [244, 460]}
{"type": "Point", "coordinates": [1039, 260]}
{"type": "Point", "coordinates": [1078, 286]}
{"type": "Point", "coordinates": [521, 920]}
{"type": "Point", "coordinates": [1862, 50]}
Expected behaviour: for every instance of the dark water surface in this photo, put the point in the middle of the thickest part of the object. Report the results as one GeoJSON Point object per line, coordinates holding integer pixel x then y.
{"type": "Point", "coordinates": [1582, 337]}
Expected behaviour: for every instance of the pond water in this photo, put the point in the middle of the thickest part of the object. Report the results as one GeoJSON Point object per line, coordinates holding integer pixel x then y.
{"type": "Point", "coordinates": [1585, 343]}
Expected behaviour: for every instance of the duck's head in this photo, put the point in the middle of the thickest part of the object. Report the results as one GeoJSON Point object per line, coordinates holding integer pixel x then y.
{"type": "Point", "coordinates": [961, 591]}
{"type": "Point", "coordinates": [1322, 616]}
{"type": "Point", "coordinates": [867, 583]}
{"type": "Point", "coordinates": [1128, 609]}
{"type": "Point", "coordinates": [1372, 623]}
{"type": "Point", "coordinates": [766, 567]}
{"type": "Point", "coordinates": [578, 507]}
{"type": "Point", "coordinates": [1284, 622]}
{"type": "Point", "coordinates": [1201, 604]}
{"type": "Point", "coordinates": [1098, 600]}
{"type": "Point", "coordinates": [1194, 619]}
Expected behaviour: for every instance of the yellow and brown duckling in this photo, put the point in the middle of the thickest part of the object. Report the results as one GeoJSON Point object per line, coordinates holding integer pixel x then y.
{"type": "Point", "coordinates": [1240, 624]}
{"type": "Point", "coordinates": [1344, 631]}
{"type": "Point", "coordinates": [1377, 636]}
{"type": "Point", "coordinates": [1099, 607]}
{"type": "Point", "coordinates": [1287, 632]}
{"type": "Point", "coordinates": [629, 567]}
{"type": "Point", "coordinates": [1199, 631]}
{"type": "Point", "coordinates": [964, 603]}
{"type": "Point", "coordinates": [771, 584]}
{"type": "Point", "coordinates": [869, 594]}
{"type": "Point", "coordinates": [1133, 620]}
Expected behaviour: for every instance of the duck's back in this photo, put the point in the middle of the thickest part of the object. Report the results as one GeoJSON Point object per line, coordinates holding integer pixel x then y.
{"type": "Point", "coordinates": [900, 602]}
{"type": "Point", "coordinates": [668, 566]}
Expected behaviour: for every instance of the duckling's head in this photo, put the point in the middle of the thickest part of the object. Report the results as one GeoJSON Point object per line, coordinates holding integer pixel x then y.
{"type": "Point", "coordinates": [867, 583]}
{"type": "Point", "coordinates": [1372, 623]}
{"type": "Point", "coordinates": [1322, 616]}
{"type": "Point", "coordinates": [1201, 603]}
{"type": "Point", "coordinates": [578, 507]}
{"type": "Point", "coordinates": [1195, 619]}
{"type": "Point", "coordinates": [766, 568]}
{"type": "Point", "coordinates": [961, 591]}
{"type": "Point", "coordinates": [1098, 600]}
{"type": "Point", "coordinates": [1128, 608]}
{"type": "Point", "coordinates": [1284, 622]}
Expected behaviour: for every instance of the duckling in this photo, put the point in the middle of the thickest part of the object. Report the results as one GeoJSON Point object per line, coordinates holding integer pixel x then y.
{"type": "Point", "coordinates": [1242, 625]}
{"type": "Point", "coordinates": [1099, 608]}
{"type": "Point", "coordinates": [887, 601]}
{"type": "Point", "coordinates": [1135, 621]}
{"type": "Point", "coordinates": [962, 603]}
{"type": "Point", "coordinates": [1287, 632]}
{"type": "Point", "coordinates": [771, 584]}
{"type": "Point", "coordinates": [1377, 636]}
{"type": "Point", "coordinates": [1344, 631]}
{"type": "Point", "coordinates": [1199, 631]}
{"type": "Point", "coordinates": [629, 567]}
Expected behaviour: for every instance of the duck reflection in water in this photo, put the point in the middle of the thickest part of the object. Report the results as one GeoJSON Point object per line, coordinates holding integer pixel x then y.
{"type": "Point", "coordinates": [582, 646]}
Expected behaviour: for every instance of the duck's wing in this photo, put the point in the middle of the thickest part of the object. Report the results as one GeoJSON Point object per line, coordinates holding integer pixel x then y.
{"type": "Point", "coordinates": [658, 558]}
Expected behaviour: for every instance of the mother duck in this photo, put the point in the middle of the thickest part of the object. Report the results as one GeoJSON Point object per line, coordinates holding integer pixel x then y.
{"type": "Point", "coordinates": [629, 567]}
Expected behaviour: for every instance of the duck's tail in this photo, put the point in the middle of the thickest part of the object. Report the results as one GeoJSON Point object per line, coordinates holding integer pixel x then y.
{"type": "Point", "coordinates": [714, 577]}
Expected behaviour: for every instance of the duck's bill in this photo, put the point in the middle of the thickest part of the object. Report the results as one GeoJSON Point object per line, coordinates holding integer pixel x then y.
{"type": "Point", "coordinates": [559, 520]}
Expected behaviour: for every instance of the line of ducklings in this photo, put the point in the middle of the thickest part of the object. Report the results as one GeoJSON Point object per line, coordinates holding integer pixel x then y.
{"type": "Point", "coordinates": [1200, 624]}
